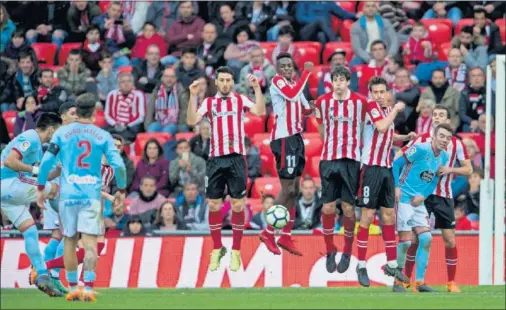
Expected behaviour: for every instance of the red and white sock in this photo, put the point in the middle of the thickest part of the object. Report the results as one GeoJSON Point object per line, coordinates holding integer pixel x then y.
{"type": "Point", "coordinates": [388, 233]}
{"type": "Point", "coordinates": [410, 260]}
{"type": "Point", "coordinates": [451, 263]}
{"type": "Point", "coordinates": [215, 223]}
{"type": "Point", "coordinates": [287, 230]}
{"type": "Point", "coordinates": [349, 231]}
{"type": "Point", "coordinates": [328, 223]}
{"type": "Point", "coordinates": [237, 229]}
{"type": "Point", "coordinates": [362, 240]}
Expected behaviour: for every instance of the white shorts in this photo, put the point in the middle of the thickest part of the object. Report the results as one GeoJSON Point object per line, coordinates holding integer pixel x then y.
{"type": "Point", "coordinates": [409, 217]}
{"type": "Point", "coordinates": [17, 195]}
{"type": "Point", "coordinates": [81, 215]}
{"type": "Point", "coordinates": [51, 218]}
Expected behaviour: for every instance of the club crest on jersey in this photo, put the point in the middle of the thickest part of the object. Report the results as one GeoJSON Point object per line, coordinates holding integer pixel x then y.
{"type": "Point", "coordinates": [411, 151]}
{"type": "Point", "coordinates": [290, 170]}
{"type": "Point", "coordinates": [427, 176]}
{"type": "Point", "coordinates": [25, 145]}
{"type": "Point", "coordinates": [281, 83]}
{"type": "Point", "coordinates": [317, 113]}
{"type": "Point", "coordinates": [375, 113]}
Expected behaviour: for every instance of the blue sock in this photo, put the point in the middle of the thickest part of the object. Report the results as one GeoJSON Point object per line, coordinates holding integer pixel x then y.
{"type": "Point", "coordinates": [89, 278]}
{"type": "Point", "coordinates": [55, 272]}
{"type": "Point", "coordinates": [422, 254]}
{"type": "Point", "coordinates": [402, 250]}
{"type": "Point", "coordinates": [72, 279]}
{"type": "Point", "coordinates": [32, 249]}
{"type": "Point", "coordinates": [50, 250]}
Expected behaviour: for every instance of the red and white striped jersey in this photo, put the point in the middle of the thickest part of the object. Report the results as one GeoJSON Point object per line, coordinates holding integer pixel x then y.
{"type": "Point", "coordinates": [456, 150]}
{"type": "Point", "coordinates": [125, 110]}
{"type": "Point", "coordinates": [226, 116]}
{"type": "Point", "coordinates": [377, 145]}
{"type": "Point", "coordinates": [342, 121]}
{"type": "Point", "coordinates": [289, 104]}
{"type": "Point", "coordinates": [107, 173]}
{"type": "Point", "coordinates": [423, 124]}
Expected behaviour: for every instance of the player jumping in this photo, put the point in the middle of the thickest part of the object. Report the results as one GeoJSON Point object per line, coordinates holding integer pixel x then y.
{"type": "Point", "coordinates": [441, 201]}
{"type": "Point", "coordinates": [340, 114]}
{"type": "Point", "coordinates": [420, 164]}
{"type": "Point", "coordinates": [377, 189]}
{"type": "Point", "coordinates": [79, 147]}
{"type": "Point", "coordinates": [227, 164]}
{"type": "Point", "coordinates": [18, 168]}
{"type": "Point", "coordinates": [287, 145]}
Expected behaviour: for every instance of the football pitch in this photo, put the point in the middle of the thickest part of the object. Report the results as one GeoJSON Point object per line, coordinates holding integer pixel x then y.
{"type": "Point", "coordinates": [476, 297]}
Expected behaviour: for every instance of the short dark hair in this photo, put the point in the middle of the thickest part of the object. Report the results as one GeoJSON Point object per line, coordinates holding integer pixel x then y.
{"type": "Point", "coordinates": [47, 120]}
{"type": "Point", "coordinates": [479, 10]}
{"type": "Point", "coordinates": [264, 197]}
{"type": "Point", "coordinates": [105, 55]}
{"type": "Point", "coordinates": [418, 24]}
{"type": "Point", "coordinates": [284, 55]}
{"type": "Point", "coordinates": [119, 138]}
{"type": "Point", "coordinates": [287, 29]}
{"type": "Point", "coordinates": [85, 105]}
{"type": "Point", "coordinates": [224, 69]}
{"type": "Point", "coordinates": [439, 70]}
{"type": "Point", "coordinates": [467, 29]}
{"type": "Point", "coordinates": [158, 145]}
{"type": "Point", "coordinates": [92, 27]}
{"type": "Point", "coordinates": [378, 80]}
{"type": "Point", "coordinates": [338, 51]}
{"type": "Point", "coordinates": [375, 42]}
{"type": "Point", "coordinates": [247, 141]}
{"type": "Point", "coordinates": [18, 33]}
{"type": "Point", "coordinates": [23, 55]}
{"type": "Point", "coordinates": [189, 50]}
{"type": "Point", "coordinates": [74, 52]}
{"type": "Point", "coordinates": [181, 141]}
{"type": "Point", "coordinates": [341, 71]}
{"type": "Point", "coordinates": [242, 29]}
{"type": "Point", "coordinates": [443, 126]}
{"type": "Point", "coordinates": [148, 177]}
{"type": "Point", "coordinates": [45, 70]}
{"type": "Point", "coordinates": [441, 107]}
{"type": "Point", "coordinates": [148, 23]}
{"type": "Point", "coordinates": [65, 107]}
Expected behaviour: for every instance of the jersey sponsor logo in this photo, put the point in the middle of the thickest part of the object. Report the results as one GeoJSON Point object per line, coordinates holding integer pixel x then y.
{"type": "Point", "coordinates": [86, 179]}
{"type": "Point", "coordinates": [317, 113]}
{"type": "Point", "coordinates": [427, 176]}
{"type": "Point", "coordinates": [25, 145]}
{"type": "Point", "coordinates": [375, 113]}
{"type": "Point", "coordinates": [224, 114]}
{"type": "Point", "coordinates": [77, 203]}
{"type": "Point", "coordinates": [281, 83]}
{"type": "Point", "coordinates": [411, 151]}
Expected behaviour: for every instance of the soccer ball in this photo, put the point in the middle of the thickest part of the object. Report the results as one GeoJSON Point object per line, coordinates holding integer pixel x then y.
{"type": "Point", "coordinates": [277, 216]}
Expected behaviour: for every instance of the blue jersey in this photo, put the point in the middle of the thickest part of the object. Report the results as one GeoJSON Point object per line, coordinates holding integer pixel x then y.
{"type": "Point", "coordinates": [28, 146]}
{"type": "Point", "coordinates": [419, 171]}
{"type": "Point", "coordinates": [79, 148]}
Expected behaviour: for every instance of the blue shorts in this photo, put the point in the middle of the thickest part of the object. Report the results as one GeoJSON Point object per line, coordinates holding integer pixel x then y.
{"type": "Point", "coordinates": [81, 215]}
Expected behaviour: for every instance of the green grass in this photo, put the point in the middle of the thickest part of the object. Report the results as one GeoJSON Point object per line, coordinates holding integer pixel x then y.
{"type": "Point", "coordinates": [477, 297]}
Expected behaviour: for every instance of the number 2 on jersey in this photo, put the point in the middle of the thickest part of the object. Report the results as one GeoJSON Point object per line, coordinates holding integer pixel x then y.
{"type": "Point", "coordinates": [87, 149]}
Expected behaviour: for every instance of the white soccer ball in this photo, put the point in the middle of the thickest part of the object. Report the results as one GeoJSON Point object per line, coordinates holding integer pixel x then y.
{"type": "Point", "coordinates": [277, 216]}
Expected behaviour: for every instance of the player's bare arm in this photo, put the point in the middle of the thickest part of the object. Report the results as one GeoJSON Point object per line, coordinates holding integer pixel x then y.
{"type": "Point", "coordinates": [13, 161]}
{"type": "Point", "coordinates": [259, 107]}
{"type": "Point", "coordinates": [192, 117]}
{"type": "Point", "coordinates": [382, 125]}
{"type": "Point", "coordinates": [403, 138]}
{"type": "Point", "coordinates": [465, 169]}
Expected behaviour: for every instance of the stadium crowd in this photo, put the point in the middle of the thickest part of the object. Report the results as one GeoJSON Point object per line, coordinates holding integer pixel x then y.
{"type": "Point", "coordinates": [139, 58]}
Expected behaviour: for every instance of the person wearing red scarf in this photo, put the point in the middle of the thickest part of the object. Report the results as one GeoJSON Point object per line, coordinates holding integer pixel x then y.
{"type": "Point", "coordinates": [49, 96]}
{"type": "Point", "coordinates": [260, 67]}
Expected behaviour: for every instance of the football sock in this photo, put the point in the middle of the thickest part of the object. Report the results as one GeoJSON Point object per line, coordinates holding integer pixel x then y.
{"type": "Point", "coordinates": [451, 263]}
{"type": "Point", "coordinates": [58, 262]}
{"type": "Point", "coordinates": [422, 255]}
{"type": "Point", "coordinates": [237, 229]}
{"type": "Point", "coordinates": [328, 223]}
{"type": "Point", "coordinates": [215, 223]}
{"type": "Point", "coordinates": [402, 249]}
{"type": "Point", "coordinates": [349, 231]}
{"type": "Point", "coordinates": [55, 272]}
{"type": "Point", "coordinates": [388, 233]}
{"type": "Point", "coordinates": [287, 230]}
{"type": "Point", "coordinates": [362, 238]}
{"type": "Point", "coordinates": [269, 229]}
{"type": "Point", "coordinates": [89, 280]}
{"type": "Point", "coordinates": [50, 253]}
{"type": "Point", "coordinates": [32, 249]}
{"type": "Point", "coordinates": [410, 259]}
{"type": "Point", "coordinates": [72, 279]}
{"type": "Point", "coordinates": [100, 247]}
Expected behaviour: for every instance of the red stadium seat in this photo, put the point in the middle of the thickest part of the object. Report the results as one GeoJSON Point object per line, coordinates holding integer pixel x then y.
{"type": "Point", "coordinates": [443, 50]}
{"type": "Point", "coordinates": [184, 135]}
{"type": "Point", "coordinates": [316, 74]}
{"type": "Point", "coordinates": [45, 52]}
{"type": "Point", "coordinates": [103, 5]}
{"type": "Point", "coordinates": [313, 167]}
{"type": "Point", "coordinates": [100, 119]}
{"type": "Point", "coordinates": [336, 23]}
{"type": "Point", "coordinates": [475, 225]}
{"type": "Point", "coordinates": [10, 119]}
{"type": "Point", "coordinates": [346, 30]}
{"type": "Point", "coordinates": [135, 160]}
{"type": "Point", "coordinates": [463, 22]}
{"type": "Point", "coordinates": [307, 53]}
{"type": "Point", "coordinates": [65, 50]}
{"type": "Point", "coordinates": [358, 69]}
{"type": "Point", "coordinates": [264, 186]}
{"type": "Point", "coordinates": [430, 21]}
{"type": "Point", "coordinates": [313, 144]}
{"type": "Point", "coordinates": [439, 33]}
{"type": "Point", "coordinates": [331, 47]}
{"type": "Point", "coordinates": [312, 124]}
{"type": "Point", "coordinates": [253, 124]}
{"type": "Point", "coordinates": [256, 205]}
{"type": "Point", "coordinates": [142, 138]}
{"type": "Point", "coordinates": [270, 122]}
{"type": "Point", "coordinates": [261, 139]}
{"type": "Point", "coordinates": [502, 28]}
{"type": "Point", "coordinates": [349, 6]}
{"type": "Point", "coordinates": [268, 47]}
{"type": "Point", "coordinates": [316, 45]}
{"type": "Point", "coordinates": [268, 167]}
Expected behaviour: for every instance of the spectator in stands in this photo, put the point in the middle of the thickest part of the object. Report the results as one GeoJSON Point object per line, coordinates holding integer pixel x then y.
{"type": "Point", "coordinates": [117, 32]}
{"type": "Point", "coordinates": [471, 48]}
{"type": "Point", "coordinates": [262, 69]}
{"type": "Point", "coordinates": [51, 23]}
{"type": "Point", "coordinates": [369, 28]}
{"type": "Point", "coordinates": [338, 58]}
{"type": "Point", "coordinates": [107, 78]}
{"type": "Point", "coordinates": [134, 13]}
{"type": "Point", "coordinates": [79, 17]}
{"type": "Point", "coordinates": [315, 19]}
{"type": "Point", "coordinates": [129, 164]}
{"type": "Point", "coordinates": [306, 204]}
{"type": "Point", "coordinates": [92, 49]}
{"type": "Point", "coordinates": [238, 54]}
{"type": "Point", "coordinates": [184, 32]}
{"type": "Point", "coordinates": [27, 116]}
{"type": "Point", "coordinates": [148, 72]}
{"type": "Point", "coordinates": [149, 198]}
{"type": "Point", "coordinates": [424, 120]}
{"type": "Point", "coordinates": [471, 197]}
{"type": "Point", "coordinates": [18, 45]}
{"type": "Point", "coordinates": [7, 72]}
{"type": "Point", "coordinates": [473, 152]}
{"type": "Point", "coordinates": [163, 13]}
{"type": "Point", "coordinates": [259, 14]}
{"type": "Point", "coordinates": [286, 36]}
{"type": "Point", "coordinates": [207, 88]}
{"type": "Point", "coordinates": [210, 51]}
{"type": "Point", "coordinates": [254, 163]}
{"type": "Point", "coordinates": [188, 68]}
{"type": "Point", "coordinates": [461, 220]}
{"type": "Point", "coordinates": [147, 38]}
{"type": "Point", "coordinates": [26, 80]}
{"type": "Point", "coordinates": [135, 227]}
{"type": "Point", "coordinates": [284, 13]}
{"type": "Point", "coordinates": [187, 166]}
{"type": "Point", "coordinates": [494, 9]}
{"type": "Point", "coordinates": [493, 67]}
{"type": "Point", "coordinates": [7, 28]}
{"type": "Point", "coordinates": [125, 108]}
{"type": "Point", "coordinates": [405, 91]}
{"type": "Point", "coordinates": [74, 76]}
{"type": "Point", "coordinates": [456, 71]}
{"type": "Point", "coordinates": [228, 24]}
{"type": "Point", "coordinates": [377, 65]}
{"type": "Point", "coordinates": [482, 127]}
{"type": "Point", "coordinates": [473, 100]}
{"type": "Point", "coordinates": [419, 47]}
{"type": "Point", "coordinates": [395, 13]}
{"type": "Point", "coordinates": [118, 219]}
{"type": "Point", "coordinates": [486, 29]}
{"type": "Point", "coordinates": [440, 92]}
{"type": "Point", "coordinates": [259, 221]}
{"type": "Point", "coordinates": [168, 219]}
{"type": "Point", "coordinates": [448, 9]}
{"type": "Point", "coordinates": [192, 207]}
{"type": "Point", "coordinates": [166, 111]}
{"type": "Point", "coordinates": [152, 164]}
{"type": "Point", "coordinates": [200, 143]}
{"type": "Point", "coordinates": [50, 96]}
